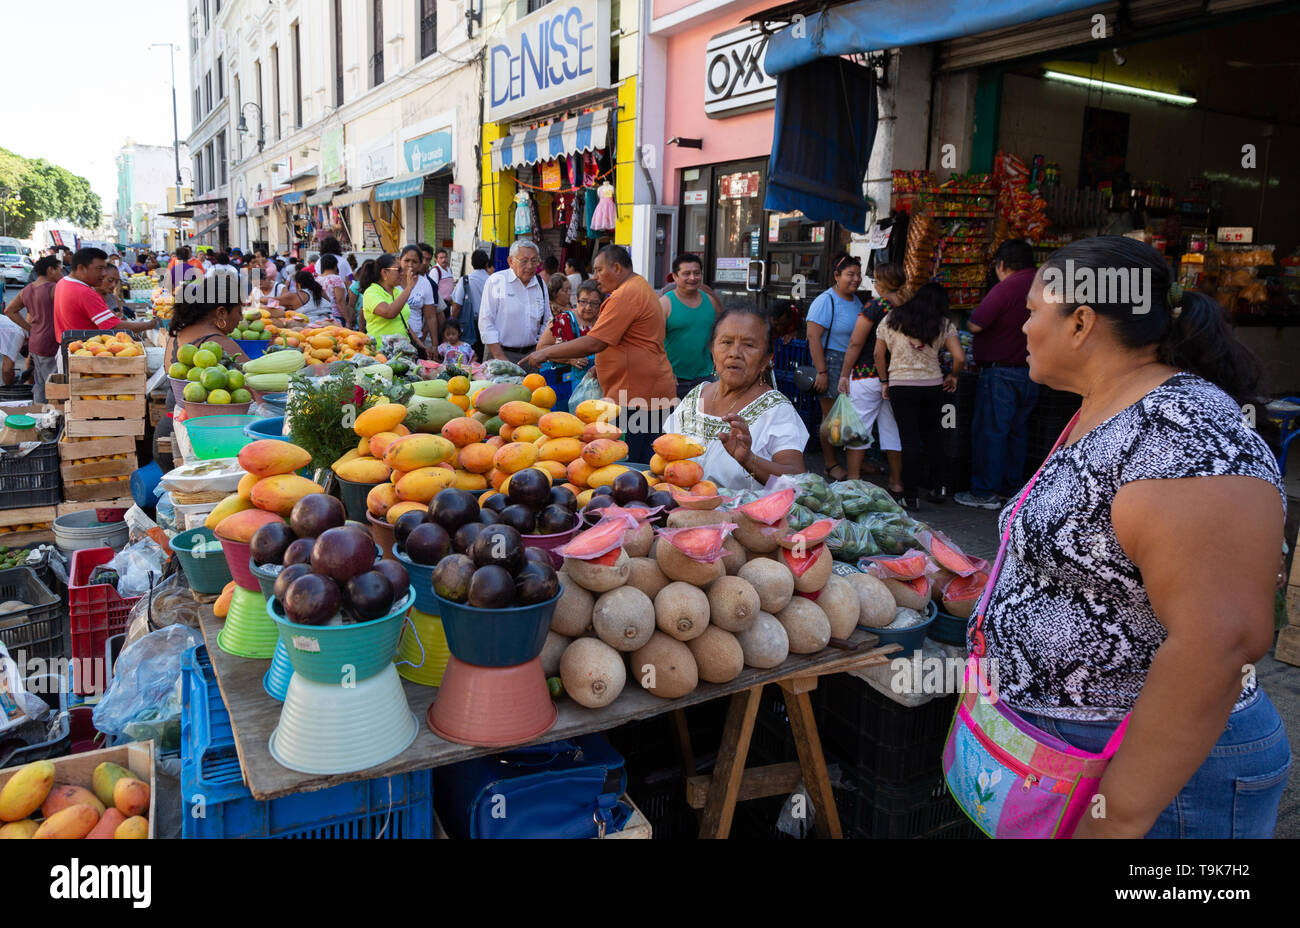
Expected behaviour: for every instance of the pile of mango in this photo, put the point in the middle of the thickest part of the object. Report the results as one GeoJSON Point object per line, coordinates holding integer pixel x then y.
{"type": "Point", "coordinates": [26, 527]}
{"type": "Point", "coordinates": [120, 345]}
{"type": "Point", "coordinates": [32, 805]}
{"type": "Point", "coordinates": [324, 344]}
{"type": "Point", "coordinates": [267, 491]}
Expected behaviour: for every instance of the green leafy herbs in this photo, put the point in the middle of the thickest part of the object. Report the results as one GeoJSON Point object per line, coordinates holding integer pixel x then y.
{"type": "Point", "coordinates": [321, 413]}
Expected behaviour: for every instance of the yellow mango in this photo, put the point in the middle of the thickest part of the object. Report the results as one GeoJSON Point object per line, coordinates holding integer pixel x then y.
{"type": "Point", "coordinates": [561, 425]}
{"type": "Point", "coordinates": [422, 484]}
{"type": "Point", "coordinates": [378, 419]}
{"type": "Point", "coordinates": [604, 476]}
{"type": "Point", "coordinates": [278, 494]}
{"type": "Point", "coordinates": [235, 502]}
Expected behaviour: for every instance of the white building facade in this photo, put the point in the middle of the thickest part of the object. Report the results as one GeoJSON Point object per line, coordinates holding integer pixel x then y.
{"type": "Point", "coordinates": [144, 175]}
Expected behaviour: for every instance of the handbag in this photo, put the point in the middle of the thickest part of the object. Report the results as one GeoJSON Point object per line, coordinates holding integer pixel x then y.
{"type": "Point", "coordinates": [564, 789]}
{"type": "Point", "coordinates": [805, 375]}
{"type": "Point", "coordinates": [1011, 778]}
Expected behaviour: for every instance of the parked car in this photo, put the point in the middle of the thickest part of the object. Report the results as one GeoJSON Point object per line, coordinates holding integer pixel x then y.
{"type": "Point", "coordinates": [17, 269]}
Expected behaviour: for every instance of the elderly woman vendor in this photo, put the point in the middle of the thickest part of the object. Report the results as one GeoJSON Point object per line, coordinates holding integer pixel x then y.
{"type": "Point", "coordinates": [750, 431]}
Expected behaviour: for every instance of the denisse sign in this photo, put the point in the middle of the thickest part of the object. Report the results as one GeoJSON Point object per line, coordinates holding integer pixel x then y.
{"type": "Point", "coordinates": [556, 52]}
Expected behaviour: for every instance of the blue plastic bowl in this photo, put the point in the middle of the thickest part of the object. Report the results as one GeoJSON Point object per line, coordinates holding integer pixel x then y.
{"type": "Point", "coordinates": [338, 653]}
{"type": "Point", "coordinates": [910, 638]}
{"type": "Point", "coordinates": [276, 402]}
{"type": "Point", "coordinates": [143, 482]}
{"type": "Point", "coordinates": [948, 629]}
{"type": "Point", "coordinates": [252, 349]}
{"type": "Point", "coordinates": [266, 428]}
{"type": "Point", "coordinates": [495, 637]}
{"type": "Point", "coordinates": [421, 582]}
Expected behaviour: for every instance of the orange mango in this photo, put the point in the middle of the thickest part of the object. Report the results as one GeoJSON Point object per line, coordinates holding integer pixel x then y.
{"type": "Point", "coordinates": [278, 494]}
{"type": "Point", "coordinates": [243, 525]}
{"type": "Point", "coordinates": [464, 431]}
{"type": "Point", "coordinates": [395, 512]}
{"type": "Point", "coordinates": [518, 413]}
{"type": "Point", "coordinates": [597, 411]}
{"type": "Point", "coordinates": [603, 476]}
{"type": "Point", "coordinates": [477, 458]}
{"type": "Point", "coordinates": [675, 447]}
{"type": "Point", "coordinates": [604, 451]}
{"type": "Point", "coordinates": [378, 444]}
{"type": "Point", "coordinates": [469, 481]}
{"type": "Point", "coordinates": [595, 430]}
{"type": "Point", "coordinates": [269, 457]}
{"type": "Point", "coordinates": [514, 457]}
{"type": "Point", "coordinates": [580, 472]}
{"type": "Point", "coordinates": [684, 474]}
{"type": "Point", "coordinates": [72, 822]}
{"type": "Point", "coordinates": [420, 450]}
{"type": "Point", "coordinates": [245, 487]}
{"type": "Point", "coordinates": [527, 433]}
{"type": "Point", "coordinates": [554, 469]}
{"type": "Point", "coordinates": [380, 498]}
{"type": "Point", "coordinates": [222, 606]}
{"type": "Point", "coordinates": [561, 425]}
{"type": "Point", "coordinates": [657, 464]}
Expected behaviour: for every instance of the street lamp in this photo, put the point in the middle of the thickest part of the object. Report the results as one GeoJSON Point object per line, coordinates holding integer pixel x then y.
{"type": "Point", "coordinates": [176, 128]}
{"type": "Point", "coordinates": [242, 127]}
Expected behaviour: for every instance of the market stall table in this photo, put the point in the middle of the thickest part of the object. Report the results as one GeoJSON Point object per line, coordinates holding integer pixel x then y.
{"type": "Point", "coordinates": [254, 715]}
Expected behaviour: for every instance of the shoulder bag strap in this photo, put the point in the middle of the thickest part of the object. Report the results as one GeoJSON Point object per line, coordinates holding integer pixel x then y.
{"type": "Point", "coordinates": [996, 570]}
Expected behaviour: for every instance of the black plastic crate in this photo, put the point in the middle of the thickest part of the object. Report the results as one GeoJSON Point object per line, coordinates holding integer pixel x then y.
{"type": "Point", "coordinates": [16, 393]}
{"type": "Point", "coordinates": [853, 705]}
{"type": "Point", "coordinates": [30, 479]}
{"type": "Point", "coordinates": [875, 810]}
{"type": "Point", "coordinates": [41, 740]}
{"type": "Point", "coordinates": [38, 631]}
{"type": "Point", "coordinates": [960, 831]}
{"type": "Point", "coordinates": [661, 797]}
{"type": "Point", "coordinates": [884, 763]}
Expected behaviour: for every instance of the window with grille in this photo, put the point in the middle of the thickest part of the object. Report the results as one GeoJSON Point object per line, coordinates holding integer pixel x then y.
{"type": "Point", "coordinates": [338, 52]}
{"type": "Point", "coordinates": [297, 75]}
{"type": "Point", "coordinates": [376, 43]}
{"type": "Point", "coordinates": [275, 87]}
{"type": "Point", "coordinates": [221, 158]}
{"type": "Point", "coordinates": [428, 27]}
{"type": "Point", "coordinates": [221, 78]}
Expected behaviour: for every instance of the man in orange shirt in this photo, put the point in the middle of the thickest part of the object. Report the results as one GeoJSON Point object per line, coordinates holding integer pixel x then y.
{"type": "Point", "coordinates": [628, 341]}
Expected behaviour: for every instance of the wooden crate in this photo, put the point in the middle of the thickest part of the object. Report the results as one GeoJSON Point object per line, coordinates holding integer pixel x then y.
{"type": "Point", "coordinates": [79, 769]}
{"type": "Point", "coordinates": [89, 385]}
{"type": "Point", "coordinates": [64, 508]}
{"type": "Point", "coordinates": [76, 470]}
{"type": "Point", "coordinates": [33, 515]}
{"type": "Point", "coordinates": [157, 412]}
{"type": "Point", "coordinates": [109, 365]}
{"type": "Point", "coordinates": [76, 451]}
{"type": "Point", "coordinates": [105, 428]}
{"type": "Point", "coordinates": [97, 491]}
{"type": "Point", "coordinates": [56, 388]}
{"type": "Point", "coordinates": [134, 408]}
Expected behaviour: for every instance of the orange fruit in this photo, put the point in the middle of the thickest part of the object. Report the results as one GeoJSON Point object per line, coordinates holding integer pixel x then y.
{"type": "Point", "coordinates": [543, 396]}
{"type": "Point", "coordinates": [460, 400]}
{"type": "Point", "coordinates": [534, 381]}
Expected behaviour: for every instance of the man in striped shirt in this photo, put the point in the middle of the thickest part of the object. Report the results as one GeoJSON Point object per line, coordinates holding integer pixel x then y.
{"type": "Point", "coordinates": [78, 305]}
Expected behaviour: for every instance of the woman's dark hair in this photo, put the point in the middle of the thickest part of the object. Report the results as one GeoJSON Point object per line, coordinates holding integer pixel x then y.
{"type": "Point", "coordinates": [590, 286]}
{"type": "Point", "coordinates": [329, 262]}
{"type": "Point", "coordinates": [752, 311]}
{"type": "Point", "coordinates": [329, 245]}
{"type": "Point", "coordinates": [552, 264]}
{"type": "Point", "coordinates": [203, 297]}
{"type": "Point", "coordinates": [1131, 289]}
{"type": "Point", "coordinates": [923, 316]}
{"type": "Point", "coordinates": [555, 283]}
{"type": "Point", "coordinates": [891, 274]}
{"type": "Point", "coordinates": [419, 252]}
{"type": "Point", "coordinates": [306, 281]}
{"type": "Point", "coordinates": [373, 270]}
{"type": "Point", "coordinates": [842, 260]}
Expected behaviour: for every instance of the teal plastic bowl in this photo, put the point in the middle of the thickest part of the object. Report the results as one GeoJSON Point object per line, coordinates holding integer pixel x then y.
{"type": "Point", "coordinates": [910, 638]}
{"type": "Point", "coordinates": [341, 653]}
{"type": "Point", "coordinates": [265, 578]}
{"type": "Point", "coordinates": [421, 581]}
{"type": "Point", "coordinates": [218, 436]}
{"type": "Point", "coordinates": [948, 629]}
{"type": "Point", "coordinates": [495, 637]}
{"type": "Point", "coordinates": [207, 571]}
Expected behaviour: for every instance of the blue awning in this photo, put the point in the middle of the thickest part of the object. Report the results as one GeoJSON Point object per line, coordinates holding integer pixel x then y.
{"type": "Point", "coordinates": [410, 185]}
{"type": "Point", "coordinates": [874, 25]}
{"type": "Point", "coordinates": [587, 132]}
{"type": "Point", "coordinates": [295, 197]}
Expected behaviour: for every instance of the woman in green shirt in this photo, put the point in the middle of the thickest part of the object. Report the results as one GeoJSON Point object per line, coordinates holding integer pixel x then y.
{"type": "Point", "coordinates": [385, 285]}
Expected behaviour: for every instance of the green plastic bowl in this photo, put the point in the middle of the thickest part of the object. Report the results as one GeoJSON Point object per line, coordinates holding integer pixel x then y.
{"type": "Point", "coordinates": [340, 654]}
{"type": "Point", "coordinates": [206, 570]}
{"type": "Point", "coordinates": [218, 436]}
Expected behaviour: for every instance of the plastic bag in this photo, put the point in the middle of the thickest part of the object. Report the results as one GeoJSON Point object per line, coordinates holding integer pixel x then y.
{"type": "Point", "coordinates": [860, 498]}
{"type": "Point", "coordinates": [587, 389]}
{"type": "Point", "coordinates": [499, 368]}
{"type": "Point", "coordinates": [171, 603]}
{"type": "Point", "coordinates": [701, 543]}
{"type": "Point", "coordinates": [17, 706]}
{"type": "Point", "coordinates": [843, 426]}
{"type": "Point", "coordinates": [801, 517]}
{"type": "Point", "coordinates": [601, 539]}
{"type": "Point", "coordinates": [849, 541]}
{"type": "Point", "coordinates": [138, 567]}
{"type": "Point", "coordinates": [910, 565]}
{"type": "Point", "coordinates": [144, 699]}
{"type": "Point", "coordinates": [811, 490]}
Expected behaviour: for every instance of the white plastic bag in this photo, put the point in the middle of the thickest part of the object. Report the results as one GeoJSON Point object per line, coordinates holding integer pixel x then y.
{"type": "Point", "coordinates": [17, 706]}
{"type": "Point", "coordinates": [139, 566]}
{"type": "Point", "coordinates": [144, 699]}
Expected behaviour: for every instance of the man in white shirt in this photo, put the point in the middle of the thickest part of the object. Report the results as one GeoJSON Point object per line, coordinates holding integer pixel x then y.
{"type": "Point", "coordinates": [516, 309]}
{"type": "Point", "coordinates": [12, 362]}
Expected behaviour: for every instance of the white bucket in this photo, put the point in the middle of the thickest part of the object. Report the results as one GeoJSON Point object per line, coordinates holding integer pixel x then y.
{"type": "Point", "coordinates": [76, 531]}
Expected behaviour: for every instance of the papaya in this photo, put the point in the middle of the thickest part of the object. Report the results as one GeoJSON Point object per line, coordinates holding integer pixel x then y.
{"type": "Point", "coordinates": [72, 822]}
{"type": "Point", "coordinates": [376, 419]}
{"type": "Point", "coordinates": [26, 790]}
{"type": "Point", "coordinates": [280, 493]}
{"type": "Point", "coordinates": [268, 457]}
{"type": "Point", "coordinates": [235, 502]}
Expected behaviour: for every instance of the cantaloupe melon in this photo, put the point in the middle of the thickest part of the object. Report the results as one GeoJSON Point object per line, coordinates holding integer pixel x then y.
{"type": "Point", "coordinates": [624, 618]}
{"type": "Point", "coordinates": [733, 603]}
{"type": "Point", "coordinates": [772, 581]}
{"type": "Point", "coordinates": [682, 610]}
{"type": "Point", "coordinates": [573, 609]}
{"type": "Point", "coordinates": [806, 626]}
{"type": "Point", "coordinates": [875, 602]}
{"type": "Point", "coordinates": [765, 644]}
{"type": "Point", "coordinates": [665, 667]}
{"type": "Point", "coordinates": [719, 657]}
{"type": "Point", "coordinates": [592, 672]}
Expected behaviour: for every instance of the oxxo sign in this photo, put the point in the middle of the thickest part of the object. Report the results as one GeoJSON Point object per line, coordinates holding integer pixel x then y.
{"type": "Point", "coordinates": [734, 79]}
{"type": "Point", "coordinates": [558, 51]}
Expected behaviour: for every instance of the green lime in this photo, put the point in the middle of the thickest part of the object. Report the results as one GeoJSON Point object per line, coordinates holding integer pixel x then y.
{"type": "Point", "coordinates": [219, 397]}
{"type": "Point", "coordinates": [235, 380]}
{"type": "Point", "coordinates": [213, 348]}
{"type": "Point", "coordinates": [194, 374]}
{"type": "Point", "coordinates": [241, 396]}
{"type": "Point", "coordinates": [205, 358]}
{"type": "Point", "coordinates": [194, 393]}
{"type": "Point", "coordinates": [178, 371]}
{"type": "Point", "coordinates": [214, 378]}
{"type": "Point", "coordinates": [186, 354]}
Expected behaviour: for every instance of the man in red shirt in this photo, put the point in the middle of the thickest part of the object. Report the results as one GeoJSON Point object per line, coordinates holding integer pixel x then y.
{"type": "Point", "coordinates": [38, 299]}
{"type": "Point", "coordinates": [1004, 394]}
{"type": "Point", "coordinates": [78, 305]}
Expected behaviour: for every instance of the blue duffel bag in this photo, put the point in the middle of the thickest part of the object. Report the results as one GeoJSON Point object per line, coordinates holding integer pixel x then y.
{"type": "Point", "coordinates": [563, 789]}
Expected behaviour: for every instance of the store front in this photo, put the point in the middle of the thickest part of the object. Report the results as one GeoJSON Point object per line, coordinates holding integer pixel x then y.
{"type": "Point", "coordinates": [553, 149]}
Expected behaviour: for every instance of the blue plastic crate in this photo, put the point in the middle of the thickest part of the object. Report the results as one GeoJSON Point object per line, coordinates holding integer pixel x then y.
{"type": "Point", "coordinates": [390, 807]}
{"type": "Point", "coordinates": [807, 405]}
{"type": "Point", "coordinates": [786, 356]}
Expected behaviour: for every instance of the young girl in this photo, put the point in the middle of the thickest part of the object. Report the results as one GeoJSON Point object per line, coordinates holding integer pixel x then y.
{"type": "Point", "coordinates": [911, 336]}
{"type": "Point", "coordinates": [453, 351]}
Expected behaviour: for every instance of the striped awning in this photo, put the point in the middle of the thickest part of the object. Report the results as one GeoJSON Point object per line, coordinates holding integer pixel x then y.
{"type": "Point", "coordinates": [322, 197]}
{"type": "Point", "coordinates": [353, 197]}
{"type": "Point", "coordinates": [587, 132]}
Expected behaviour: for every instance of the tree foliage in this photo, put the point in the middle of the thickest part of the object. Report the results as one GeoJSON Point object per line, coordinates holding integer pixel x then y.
{"type": "Point", "coordinates": [32, 189]}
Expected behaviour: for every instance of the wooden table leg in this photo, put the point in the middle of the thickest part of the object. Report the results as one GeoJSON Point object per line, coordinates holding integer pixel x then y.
{"type": "Point", "coordinates": [684, 742]}
{"type": "Point", "coordinates": [729, 768]}
{"type": "Point", "coordinates": [811, 759]}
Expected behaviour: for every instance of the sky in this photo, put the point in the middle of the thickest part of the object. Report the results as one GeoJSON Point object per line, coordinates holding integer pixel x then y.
{"type": "Point", "coordinates": [104, 49]}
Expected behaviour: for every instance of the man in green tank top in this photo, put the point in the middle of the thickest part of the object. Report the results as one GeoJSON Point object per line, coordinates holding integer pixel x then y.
{"type": "Point", "coordinates": [688, 321]}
